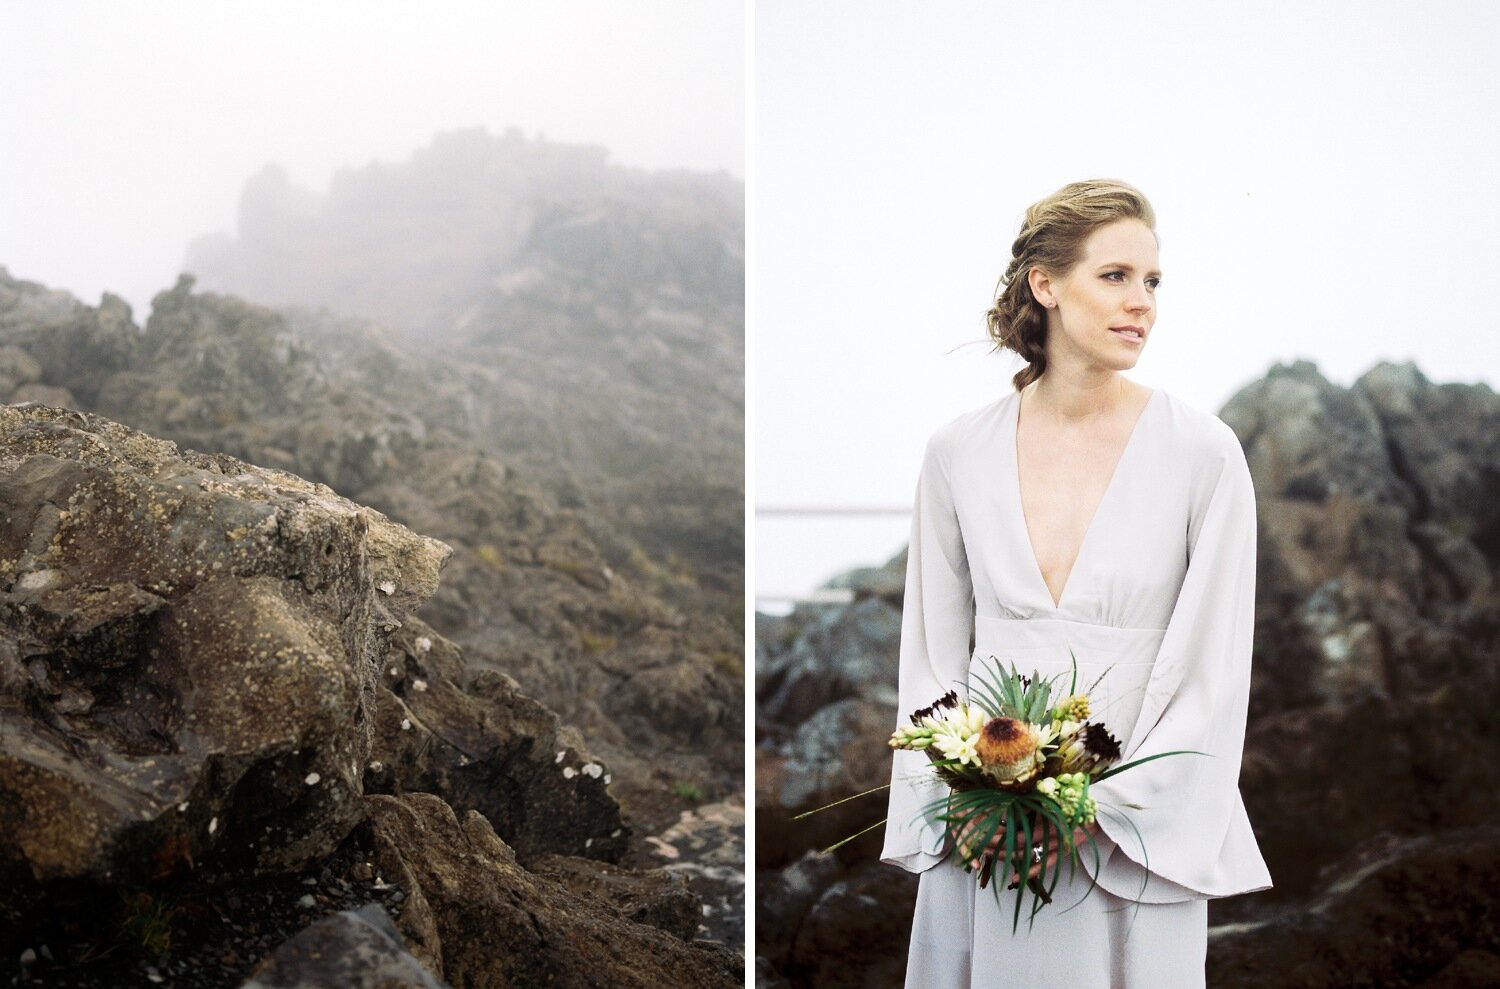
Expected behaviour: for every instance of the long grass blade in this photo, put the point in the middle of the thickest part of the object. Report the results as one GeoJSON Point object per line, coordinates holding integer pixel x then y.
{"type": "Point", "coordinates": [840, 844]}
{"type": "Point", "coordinates": [873, 789]}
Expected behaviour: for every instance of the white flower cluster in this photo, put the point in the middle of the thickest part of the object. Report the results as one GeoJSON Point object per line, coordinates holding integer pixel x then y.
{"type": "Point", "coordinates": [953, 731]}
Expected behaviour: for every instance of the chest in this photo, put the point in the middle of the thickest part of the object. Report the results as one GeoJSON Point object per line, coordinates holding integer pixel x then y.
{"type": "Point", "coordinates": [1062, 480]}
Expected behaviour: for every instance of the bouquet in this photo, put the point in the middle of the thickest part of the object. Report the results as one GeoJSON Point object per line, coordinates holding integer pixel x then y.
{"type": "Point", "coordinates": [1019, 758]}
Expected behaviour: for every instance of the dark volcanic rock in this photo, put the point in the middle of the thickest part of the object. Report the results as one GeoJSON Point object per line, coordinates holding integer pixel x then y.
{"type": "Point", "coordinates": [481, 920]}
{"type": "Point", "coordinates": [783, 897]}
{"type": "Point", "coordinates": [544, 369]}
{"type": "Point", "coordinates": [491, 749]}
{"type": "Point", "coordinates": [349, 950]}
{"type": "Point", "coordinates": [190, 649]}
{"type": "Point", "coordinates": [1421, 912]}
{"type": "Point", "coordinates": [657, 899]}
{"type": "Point", "coordinates": [604, 305]}
{"type": "Point", "coordinates": [838, 653]}
{"type": "Point", "coordinates": [866, 915]}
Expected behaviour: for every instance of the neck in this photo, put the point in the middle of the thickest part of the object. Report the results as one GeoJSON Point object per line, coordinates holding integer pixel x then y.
{"type": "Point", "coordinates": [1073, 397]}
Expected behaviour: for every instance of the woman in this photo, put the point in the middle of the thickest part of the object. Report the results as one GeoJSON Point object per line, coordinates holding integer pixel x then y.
{"type": "Point", "coordinates": [1085, 514]}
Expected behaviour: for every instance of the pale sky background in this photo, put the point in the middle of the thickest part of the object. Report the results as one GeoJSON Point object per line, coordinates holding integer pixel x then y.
{"type": "Point", "coordinates": [1324, 177]}
{"type": "Point", "coordinates": [127, 129]}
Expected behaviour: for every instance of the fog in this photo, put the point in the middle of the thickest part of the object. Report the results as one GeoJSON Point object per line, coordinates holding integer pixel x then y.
{"type": "Point", "coordinates": [128, 129]}
{"type": "Point", "coordinates": [1321, 184]}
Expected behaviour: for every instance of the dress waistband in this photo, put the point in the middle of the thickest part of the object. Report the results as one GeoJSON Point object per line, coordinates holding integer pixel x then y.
{"type": "Point", "coordinates": [1039, 638]}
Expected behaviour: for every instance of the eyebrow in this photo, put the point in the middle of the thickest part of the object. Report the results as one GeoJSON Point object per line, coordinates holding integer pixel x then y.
{"type": "Point", "coordinates": [1127, 267]}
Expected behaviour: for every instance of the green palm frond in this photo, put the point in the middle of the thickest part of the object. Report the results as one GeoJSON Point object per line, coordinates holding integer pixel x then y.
{"type": "Point", "coordinates": [1115, 770]}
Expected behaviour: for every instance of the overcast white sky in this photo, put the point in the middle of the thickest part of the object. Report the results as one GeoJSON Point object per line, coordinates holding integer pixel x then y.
{"type": "Point", "coordinates": [126, 129]}
{"type": "Point", "coordinates": [1324, 177]}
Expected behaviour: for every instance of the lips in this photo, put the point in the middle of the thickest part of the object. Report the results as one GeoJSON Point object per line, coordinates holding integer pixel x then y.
{"type": "Point", "coordinates": [1132, 333]}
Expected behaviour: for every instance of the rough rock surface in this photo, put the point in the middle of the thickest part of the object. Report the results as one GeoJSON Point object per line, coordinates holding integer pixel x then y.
{"type": "Point", "coordinates": [1377, 656]}
{"type": "Point", "coordinates": [481, 920]}
{"type": "Point", "coordinates": [354, 949]}
{"type": "Point", "coordinates": [657, 899]}
{"type": "Point", "coordinates": [1417, 912]}
{"type": "Point", "coordinates": [491, 749]}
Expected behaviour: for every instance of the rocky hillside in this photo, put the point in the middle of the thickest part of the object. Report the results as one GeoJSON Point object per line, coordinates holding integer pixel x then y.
{"type": "Point", "coordinates": [593, 314]}
{"type": "Point", "coordinates": [1377, 669]}
{"type": "Point", "coordinates": [221, 720]}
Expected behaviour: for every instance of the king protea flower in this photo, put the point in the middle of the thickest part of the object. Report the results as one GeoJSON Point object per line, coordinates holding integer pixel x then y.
{"type": "Point", "coordinates": [1091, 748]}
{"type": "Point", "coordinates": [1008, 749]}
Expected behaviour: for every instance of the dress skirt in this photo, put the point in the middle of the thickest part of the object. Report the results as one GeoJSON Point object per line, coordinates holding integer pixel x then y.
{"type": "Point", "coordinates": [1086, 938]}
{"type": "Point", "coordinates": [962, 939]}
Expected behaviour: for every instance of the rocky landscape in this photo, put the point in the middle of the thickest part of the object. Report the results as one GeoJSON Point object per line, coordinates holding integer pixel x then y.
{"type": "Point", "coordinates": [213, 691]}
{"type": "Point", "coordinates": [1377, 675]}
{"type": "Point", "coordinates": [547, 738]}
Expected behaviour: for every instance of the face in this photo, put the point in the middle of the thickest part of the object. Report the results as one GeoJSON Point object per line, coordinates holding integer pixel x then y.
{"type": "Point", "coordinates": [1111, 289]}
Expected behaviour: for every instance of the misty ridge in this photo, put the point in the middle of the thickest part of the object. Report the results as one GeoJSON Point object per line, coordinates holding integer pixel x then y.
{"type": "Point", "coordinates": [517, 348]}
{"type": "Point", "coordinates": [601, 309]}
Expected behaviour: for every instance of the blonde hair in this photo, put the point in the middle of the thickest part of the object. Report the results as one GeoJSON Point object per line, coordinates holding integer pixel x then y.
{"type": "Point", "coordinates": [1051, 238]}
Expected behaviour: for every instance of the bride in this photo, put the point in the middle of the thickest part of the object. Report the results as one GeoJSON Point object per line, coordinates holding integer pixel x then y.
{"type": "Point", "coordinates": [1086, 515]}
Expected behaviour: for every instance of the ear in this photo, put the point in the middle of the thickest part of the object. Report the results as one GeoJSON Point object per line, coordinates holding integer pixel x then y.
{"type": "Point", "coordinates": [1041, 287]}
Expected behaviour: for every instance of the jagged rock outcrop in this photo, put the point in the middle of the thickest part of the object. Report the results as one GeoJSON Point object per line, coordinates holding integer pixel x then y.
{"type": "Point", "coordinates": [1377, 653]}
{"type": "Point", "coordinates": [213, 694]}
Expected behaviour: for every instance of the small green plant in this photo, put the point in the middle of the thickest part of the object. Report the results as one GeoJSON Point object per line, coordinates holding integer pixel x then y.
{"type": "Point", "coordinates": [146, 922]}
{"type": "Point", "coordinates": [687, 791]}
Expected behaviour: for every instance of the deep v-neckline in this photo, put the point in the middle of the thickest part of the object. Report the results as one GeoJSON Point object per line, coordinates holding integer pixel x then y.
{"type": "Point", "coordinates": [1015, 474]}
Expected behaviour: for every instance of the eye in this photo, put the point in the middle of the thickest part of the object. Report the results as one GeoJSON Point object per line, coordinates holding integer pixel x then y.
{"type": "Point", "coordinates": [1155, 283]}
{"type": "Point", "coordinates": [1114, 275]}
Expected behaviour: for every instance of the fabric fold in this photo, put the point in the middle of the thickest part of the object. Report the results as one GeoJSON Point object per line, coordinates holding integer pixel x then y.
{"type": "Point", "coordinates": [1191, 822]}
{"type": "Point", "coordinates": [937, 618]}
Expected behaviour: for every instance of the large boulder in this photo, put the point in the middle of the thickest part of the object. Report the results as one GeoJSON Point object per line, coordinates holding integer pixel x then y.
{"type": "Point", "coordinates": [190, 651]}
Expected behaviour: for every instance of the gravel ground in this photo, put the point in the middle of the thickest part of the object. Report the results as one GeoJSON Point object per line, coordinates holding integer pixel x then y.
{"type": "Point", "coordinates": [190, 937]}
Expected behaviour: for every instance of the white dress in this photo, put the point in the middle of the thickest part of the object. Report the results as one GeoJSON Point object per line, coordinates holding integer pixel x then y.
{"type": "Point", "coordinates": [1161, 596]}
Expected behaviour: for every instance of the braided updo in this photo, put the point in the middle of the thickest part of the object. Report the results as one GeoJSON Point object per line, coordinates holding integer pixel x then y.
{"type": "Point", "coordinates": [1051, 238]}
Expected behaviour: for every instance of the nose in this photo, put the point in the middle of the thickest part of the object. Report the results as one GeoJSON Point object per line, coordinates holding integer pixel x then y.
{"type": "Point", "coordinates": [1140, 300]}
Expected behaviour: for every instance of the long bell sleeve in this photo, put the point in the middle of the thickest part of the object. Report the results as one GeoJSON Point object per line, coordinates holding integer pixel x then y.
{"type": "Point", "coordinates": [937, 617]}
{"type": "Point", "coordinates": [1193, 829]}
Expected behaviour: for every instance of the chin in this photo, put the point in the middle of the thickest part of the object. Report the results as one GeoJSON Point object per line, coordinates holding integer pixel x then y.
{"type": "Point", "coordinates": [1118, 362]}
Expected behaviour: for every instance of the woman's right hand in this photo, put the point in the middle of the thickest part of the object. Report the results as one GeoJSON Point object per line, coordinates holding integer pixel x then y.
{"type": "Point", "coordinates": [968, 833]}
